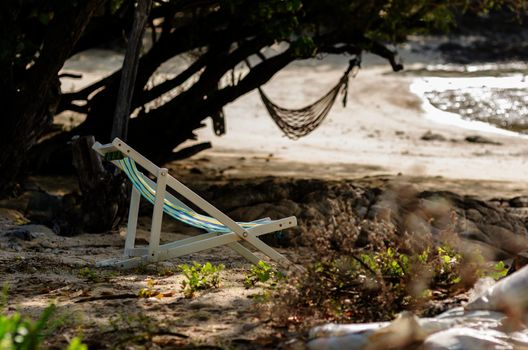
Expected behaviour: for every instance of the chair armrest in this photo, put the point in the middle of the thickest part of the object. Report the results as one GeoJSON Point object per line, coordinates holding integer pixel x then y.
{"type": "Point", "coordinates": [104, 149]}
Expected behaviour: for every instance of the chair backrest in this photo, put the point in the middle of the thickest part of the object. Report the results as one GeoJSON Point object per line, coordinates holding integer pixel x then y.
{"type": "Point", "coordinates": [171, 205]}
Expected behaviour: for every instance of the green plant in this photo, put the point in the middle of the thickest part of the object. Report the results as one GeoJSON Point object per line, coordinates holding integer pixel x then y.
{"type": "Point", "coordinates": [389, 263]}
{"type": "Point", "coordinates": [262, 297]}
{"type": "Point", "coordinates": [448, 265]}
{"type": "Point", "coordinates": [21, 333]}
{"type": "Point", "coordinates": [149, 290]}
{"type": "Point", "coordinates": [18, 332]}
{"type": "Point", "coordinates": [374, 286]}
{"type": "Point", "coordinates": [90, 275]}
{"type": "Point", "coordinates": [497, 271]}
{"type": "Point", "coordinates": [77, 344]}
{"type": "Point", "coordinates": [263, 273]}
{"type": "Point", "coordinates": [200, 277]}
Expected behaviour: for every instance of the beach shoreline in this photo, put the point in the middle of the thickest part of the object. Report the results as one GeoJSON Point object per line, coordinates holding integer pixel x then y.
{"type": "Point", "coordinates": [379, 132]}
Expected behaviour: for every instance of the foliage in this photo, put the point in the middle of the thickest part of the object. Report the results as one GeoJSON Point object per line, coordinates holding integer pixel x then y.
{"type": "Point", "coordinates": [263, 273]}
{"type": "Point", "coordinates": [200, 277]}
{"type": "Point", "coordinates": [21, 333]}
{"type": "Point", "coordinates": [498, 271]}
{"type": "Point", "coordinates": [89, 274]}
{"type": "Point", "coordinates": [96, 275]}
{"type": "Point", "coordinates": [375, 286]}
{"type": "Point", "coordinates": [150, 291]}
{"type": "Point", "coordinates": [77, 344]}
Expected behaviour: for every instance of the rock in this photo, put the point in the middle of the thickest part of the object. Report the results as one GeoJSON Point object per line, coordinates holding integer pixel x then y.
{"type": "Point", "coordinates": [521, 213]}
{"type": "Point", "coordinates": [38, 230]}
{"type": "Point", "coordinates": [430, 136]}
{"type": "Point", "coordinates": [450, 46]}
{"type": "Point", "coordinates": [19, 203]}
{"type": "Point", "coordinates": [504, 239]}
{"type": "Point", "coordinates": [19, 233]}
{"type": "Point", "coordinates": [519, 202]}
{"type": "Point", "coordinates": [43, 207]}
{"type": "Point", "coordinates": [341, 215]}
{"type": "Point", "coordinates": [481, 139]}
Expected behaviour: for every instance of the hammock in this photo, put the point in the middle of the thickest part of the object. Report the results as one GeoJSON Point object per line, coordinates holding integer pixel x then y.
{"type": "Point", "coordinates": [296, 123]}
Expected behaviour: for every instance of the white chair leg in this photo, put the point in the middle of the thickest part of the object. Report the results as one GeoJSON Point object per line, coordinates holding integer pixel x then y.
{"type": "Point", "coordinates": [130, 239]}
{"type": "Point", "coordinates": [157, 215]}
{"type": "Point", "coordinates": [269, 251]}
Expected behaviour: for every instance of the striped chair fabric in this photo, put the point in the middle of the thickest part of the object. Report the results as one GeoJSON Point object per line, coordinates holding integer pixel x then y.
{"type": "Point", "coordinates": [177, 211]}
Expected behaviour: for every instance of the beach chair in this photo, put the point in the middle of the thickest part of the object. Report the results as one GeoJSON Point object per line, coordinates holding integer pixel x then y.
{"type": "Point", "coordinates": [219, 228]}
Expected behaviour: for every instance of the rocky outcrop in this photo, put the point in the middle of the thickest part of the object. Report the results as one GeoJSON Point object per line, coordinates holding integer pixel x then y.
{"type": "Point", "coordinates": [342, 215]}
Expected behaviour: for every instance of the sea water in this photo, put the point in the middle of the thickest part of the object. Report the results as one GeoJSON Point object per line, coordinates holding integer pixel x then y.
{"type": "Point", "coordinates": [476, 97]}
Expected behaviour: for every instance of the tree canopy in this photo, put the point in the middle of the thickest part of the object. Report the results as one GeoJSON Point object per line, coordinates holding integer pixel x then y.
{"type": "Point", "coordinates": [221, 35]}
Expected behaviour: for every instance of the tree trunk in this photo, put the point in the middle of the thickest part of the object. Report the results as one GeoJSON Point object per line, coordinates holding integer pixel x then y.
{"type": "Point", "coordinates": [104, 194]}
{"type": "Point", "coordinates": [30, 97]}
{"type": "Point", "coordinates": [129, 71]}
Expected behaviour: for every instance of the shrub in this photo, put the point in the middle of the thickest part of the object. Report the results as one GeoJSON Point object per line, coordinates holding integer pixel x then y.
{"type": "Point", "coordinates": [200, 277]}
{"type": "Point", "coordinates": [374, 286]}
{"type": "Point", "coordinates": [263, 273]}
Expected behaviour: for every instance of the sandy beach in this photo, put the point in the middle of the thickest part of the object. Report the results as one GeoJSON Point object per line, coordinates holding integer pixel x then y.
{"type": "Point", "coordinates": [377, 134]}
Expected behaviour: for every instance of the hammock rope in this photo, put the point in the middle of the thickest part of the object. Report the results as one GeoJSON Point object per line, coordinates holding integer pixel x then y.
{"type": "Point", "coordinates": [296, 123]}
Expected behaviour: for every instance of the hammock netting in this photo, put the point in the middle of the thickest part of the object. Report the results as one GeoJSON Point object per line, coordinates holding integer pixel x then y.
{"type": "Point", "coordinates": [296, 123]}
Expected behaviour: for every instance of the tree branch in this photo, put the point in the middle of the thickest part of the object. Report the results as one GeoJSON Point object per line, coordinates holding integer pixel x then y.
{"type": "Point", "coordinates": [166, 86]}
{"type": "Point", "coordinates": [62, 35]}
{"type": "Point", "coordinates": [382, 51]}
{"type": "Point", "coordinates": [189, 151]}
{"type": "Point", "coordinates": [219, 66]}
{"type": "Point", "coordinates": [257, 76]}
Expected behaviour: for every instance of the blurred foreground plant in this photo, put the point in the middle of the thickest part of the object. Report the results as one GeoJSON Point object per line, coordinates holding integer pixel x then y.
{"type": "Point", "coordinates": [21, 333]}
{"type": "Point", "coordinates": [18, 332]}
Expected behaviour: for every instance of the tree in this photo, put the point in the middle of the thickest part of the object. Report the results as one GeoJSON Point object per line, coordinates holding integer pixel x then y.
{"type": "Point", "coordinates": [36, 39]}
{"type": "Point", "coordinates": [221, 35]}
